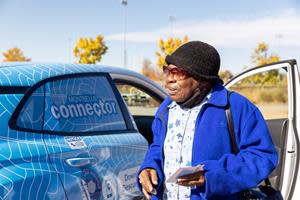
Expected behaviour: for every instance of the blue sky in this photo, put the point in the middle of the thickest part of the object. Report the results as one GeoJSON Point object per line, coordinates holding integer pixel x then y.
{"type": "Point", "coordinates": [46, 30]}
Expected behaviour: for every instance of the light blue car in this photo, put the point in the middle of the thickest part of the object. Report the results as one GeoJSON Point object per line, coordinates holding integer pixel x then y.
{"type": "Point", "coordinates": [66, 132]}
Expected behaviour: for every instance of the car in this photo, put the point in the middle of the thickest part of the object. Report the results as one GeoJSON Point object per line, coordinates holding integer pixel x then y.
{"type": "Point", "coordinates": [66, 132]}
{"type": "Point", "coordinates": [63, 158]}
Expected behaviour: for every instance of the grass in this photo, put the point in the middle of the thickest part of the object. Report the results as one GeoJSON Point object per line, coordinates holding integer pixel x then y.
{"type": "Point", "coordinates": [272, 100]}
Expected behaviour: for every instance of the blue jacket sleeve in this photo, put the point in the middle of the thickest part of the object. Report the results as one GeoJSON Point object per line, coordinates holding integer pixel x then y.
{"type": "Point", "coordinates": [153, 158]}
{"type": "Point", "coordinates": [256, 159]}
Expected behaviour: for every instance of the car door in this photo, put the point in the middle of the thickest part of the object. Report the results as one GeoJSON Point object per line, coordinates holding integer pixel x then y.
{"type": "Point", "coordinates": [274, 88]}
{"type": "Point", "coordinates": [90, 137]}
{"type": "Point", "coordinates": [142, 97]}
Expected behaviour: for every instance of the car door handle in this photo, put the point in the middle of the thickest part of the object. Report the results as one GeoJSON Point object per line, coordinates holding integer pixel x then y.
{"type": "Point", "coordinates": [81, 162]}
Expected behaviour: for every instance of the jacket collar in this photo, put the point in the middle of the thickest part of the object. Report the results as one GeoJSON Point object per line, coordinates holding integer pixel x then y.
{"type": "Point", "coordinates": [218, 96]}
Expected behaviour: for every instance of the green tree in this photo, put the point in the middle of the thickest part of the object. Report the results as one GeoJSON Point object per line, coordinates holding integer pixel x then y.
{"type": "Point", "coordinates": [168, 47]}
{"type": "Point", "coordinates": [15, 54]}
{"type": "Point", "coordinates": [89, 50]}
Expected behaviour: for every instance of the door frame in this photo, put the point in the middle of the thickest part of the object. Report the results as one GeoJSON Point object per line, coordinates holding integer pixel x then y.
{"type": "Point", "coordinates": [290, 162]}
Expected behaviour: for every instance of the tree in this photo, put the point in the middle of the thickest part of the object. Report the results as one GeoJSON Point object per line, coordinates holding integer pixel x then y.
{"type": "Point", "coordinates": [150, 71]}
{"type": "Point", "coordinates": [225, 75]}
{"type": "Point", "coordinates": [168, 47]}
{"type": "Point", "coordinates": [261, 56]}
{"type": "Point", "coordinates": [15, 54]}
{"type": "Point", "coordinates": [89, 50]}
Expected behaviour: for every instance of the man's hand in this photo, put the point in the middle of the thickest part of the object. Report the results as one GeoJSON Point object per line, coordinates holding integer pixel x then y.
{"type": "Point", "coordinates": [148, 180]}
{"type": "Point", "coordinates": [196, 179]}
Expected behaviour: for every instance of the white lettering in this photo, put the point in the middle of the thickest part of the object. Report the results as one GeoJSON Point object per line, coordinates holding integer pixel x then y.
{"type": "Point", "coordinates": [89, 109]}
{"type": "Point", "coordinates": [55, 112]}
{"type": "Point", "coordinates": [108, 108]}
{"type": "Point", "coordinates": [64, 111]}
{"type": "Point", "coordinates": [73, 110]}
{"type": "Point", "coordinates": [81, 110]}
{"type": "Point", "coordinates": [101, 108]}
{"type": "Point", "coordinates": [97, 109]}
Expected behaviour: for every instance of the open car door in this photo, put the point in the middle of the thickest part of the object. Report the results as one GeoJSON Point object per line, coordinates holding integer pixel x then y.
{"type": "Point", "coordinates": [274, 88]}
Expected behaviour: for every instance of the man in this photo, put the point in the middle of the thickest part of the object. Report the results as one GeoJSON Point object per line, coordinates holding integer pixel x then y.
{"type": "Point", "coordinates": [190, 128]}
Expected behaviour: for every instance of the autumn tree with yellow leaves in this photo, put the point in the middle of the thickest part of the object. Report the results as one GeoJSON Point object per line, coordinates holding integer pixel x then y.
{"type": "Point", "coordinates": [225, 75]}
{"type": "Point", "coordinates": [151, 71]}
{"type": "Point", "coordinates": [89, 50]}
{"type": "Point", "coordinates": [262, 56]}
{"type": "Point", "coordinates": [15, 55]}
{"type": "Point", "coordinates": [168, 47]}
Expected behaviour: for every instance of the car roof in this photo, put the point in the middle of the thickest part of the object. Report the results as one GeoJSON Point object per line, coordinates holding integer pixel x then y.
{"type": "Point", "coordinates": [27, 73]}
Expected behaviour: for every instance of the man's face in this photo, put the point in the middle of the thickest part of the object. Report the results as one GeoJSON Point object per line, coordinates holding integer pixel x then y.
{"type": "Point", "coordinates": [179, 87]}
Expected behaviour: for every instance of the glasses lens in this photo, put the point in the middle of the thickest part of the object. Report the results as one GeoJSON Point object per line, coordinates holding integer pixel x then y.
{"type": "Point", "coordinates": [179, 74]}
{"type": "Point", "coordinates": [166, 70]}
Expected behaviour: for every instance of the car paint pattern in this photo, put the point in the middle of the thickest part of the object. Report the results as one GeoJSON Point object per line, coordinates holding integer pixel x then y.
{"type": "Point", "coordinates": [27, 171]}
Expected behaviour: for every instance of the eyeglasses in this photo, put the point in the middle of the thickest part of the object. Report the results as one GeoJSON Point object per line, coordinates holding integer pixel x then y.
{"type": "Point", "coordinates": [178, 74]}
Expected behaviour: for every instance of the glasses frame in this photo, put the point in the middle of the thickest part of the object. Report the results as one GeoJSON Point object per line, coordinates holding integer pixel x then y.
{"type": "Point", "coordinates": [178, 73]}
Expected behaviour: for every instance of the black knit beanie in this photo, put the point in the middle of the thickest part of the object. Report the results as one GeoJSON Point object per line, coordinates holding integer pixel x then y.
{"type": "Point", "coordinates": [199, 59]}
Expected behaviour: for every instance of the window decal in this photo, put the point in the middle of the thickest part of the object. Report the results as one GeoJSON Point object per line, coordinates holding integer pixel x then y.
{"type": "Point", "coordinates": [82, 104]}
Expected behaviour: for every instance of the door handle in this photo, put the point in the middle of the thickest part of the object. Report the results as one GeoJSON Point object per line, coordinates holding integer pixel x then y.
{"type": "Point", "coordinates": [81, 162]}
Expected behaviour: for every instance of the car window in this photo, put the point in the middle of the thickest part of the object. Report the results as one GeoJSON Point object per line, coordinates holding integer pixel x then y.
{"type": "Point", "coordinates": [268, 90]}
{"type": "Point", "coordinates": [73, 104]}
{"type": "Point", "coordinates": [82, 104]}
{"type": "Point", "coordinates": [138, 101]}
{"type": "Point", "coordinates": [31, 116]}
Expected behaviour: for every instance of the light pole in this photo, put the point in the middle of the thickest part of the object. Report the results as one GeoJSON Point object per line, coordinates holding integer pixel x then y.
{"type": "Point", "coordinates": [171, 20]}
{"type": "Point", "coordinates": [70, 48]}
{"type": "Point", "coordinates": [124, 3]}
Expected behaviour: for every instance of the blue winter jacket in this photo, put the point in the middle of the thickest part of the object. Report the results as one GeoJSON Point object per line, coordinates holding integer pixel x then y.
{"type": "Point", "coordinates": [226, 174]}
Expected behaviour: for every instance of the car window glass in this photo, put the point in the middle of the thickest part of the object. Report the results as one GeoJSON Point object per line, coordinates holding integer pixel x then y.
{"type": "Point", "coordinates": [82, 104]}
{"type": "Point", "coordinates": [268, 90]}
{"type": "Point", "coordinates": [138, 101]}
{"type": "Point", "coordinates": [31, 115]}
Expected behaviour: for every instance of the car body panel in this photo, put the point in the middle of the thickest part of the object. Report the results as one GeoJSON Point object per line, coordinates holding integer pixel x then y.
{"type": "Point", "coordinates": [25, 169]}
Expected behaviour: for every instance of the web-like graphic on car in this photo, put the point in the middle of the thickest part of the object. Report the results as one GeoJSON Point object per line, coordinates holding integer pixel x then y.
{"type": "Point", "coordinates": [34, 165]}
{"type": "Point", "coordinates": [25, 172]}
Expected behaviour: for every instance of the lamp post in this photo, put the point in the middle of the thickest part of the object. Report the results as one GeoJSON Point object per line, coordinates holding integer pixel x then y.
{"type": "Point", "coordinates": [70, 48]}
{"type": "Point", "coordinates": [171, 20]}
{"type": "Point", "coordinates": [124, 3]}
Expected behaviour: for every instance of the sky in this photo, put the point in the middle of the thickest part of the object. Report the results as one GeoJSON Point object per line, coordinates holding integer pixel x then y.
{"type": "Point", "coordinates": [47, 30]}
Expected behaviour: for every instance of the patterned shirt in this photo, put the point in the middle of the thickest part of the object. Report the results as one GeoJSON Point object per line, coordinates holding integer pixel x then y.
{"type": "Point", "coordinates": [178, 146]}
